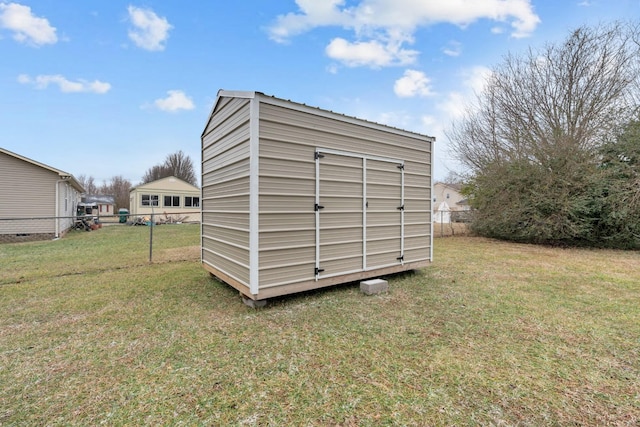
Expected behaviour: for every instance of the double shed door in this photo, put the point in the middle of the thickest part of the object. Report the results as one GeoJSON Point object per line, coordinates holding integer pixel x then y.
{"type": "Point", "coordinates": [359, 212]}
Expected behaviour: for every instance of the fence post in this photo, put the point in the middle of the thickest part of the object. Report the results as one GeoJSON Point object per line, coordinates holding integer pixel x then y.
{"type": "Point", "coordinates": [151, 240]}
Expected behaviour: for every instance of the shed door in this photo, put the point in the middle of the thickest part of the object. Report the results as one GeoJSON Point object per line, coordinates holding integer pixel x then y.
{"type": "Point", "coordinates": [384, 215]}
{"type": "Point", "coordinates": [339, 224]}
{"type": "Point", "coordinates": [359, 213]}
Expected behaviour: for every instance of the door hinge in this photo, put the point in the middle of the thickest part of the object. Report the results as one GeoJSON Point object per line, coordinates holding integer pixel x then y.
{"type": "Point", "coordinates": [318, 156]}
{"type": "Point", "coordinates": [318, 207]}
{"type": "Point", "coordinates": [400, 258]}
{"type": "Point", "coordinates": [401, 167]}
{"type": "Point", "coordinates": [400, 208]}
{"type": "Point", "coordinates": [319, 270]}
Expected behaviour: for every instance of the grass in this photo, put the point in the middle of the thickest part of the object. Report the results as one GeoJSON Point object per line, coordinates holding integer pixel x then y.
{"type": "Point", "coordinates": [492, 333]}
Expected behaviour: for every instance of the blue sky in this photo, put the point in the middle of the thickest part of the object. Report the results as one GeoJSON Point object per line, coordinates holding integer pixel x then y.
{"type": "Point", "coordinates": [105, 88]}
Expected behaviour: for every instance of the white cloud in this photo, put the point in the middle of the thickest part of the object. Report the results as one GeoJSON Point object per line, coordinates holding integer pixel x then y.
{"type": "Point", "coordinates": [474, 81]}
{"type": "Point", "coordinates": [175, 101]}
{"type": "Point", "coordinates": [453, 105]}
{"type": "Point", "coordinates": [65, 85]}
{"type": "Point", "coordinates": [453, 48]}
{"type": "Point", "coordinates": [413, 83]}
{"type": "Point", "coordinates": [149, 31]}
{"type": "Point", "coordinates": [476, 77]}
{"type": "Point", "coordinates": [314, 14]}
{"type": "Point", "coordinates": [371, 53]}
{"type": "Point", "coordinates": [26, 27]}
{"type": "Point", "coordinates": [384, 26]}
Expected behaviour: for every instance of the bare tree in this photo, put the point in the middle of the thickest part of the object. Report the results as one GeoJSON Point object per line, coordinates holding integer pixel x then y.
{"type": "Point", "coordinates": [119, 187]}
{"type": "Point", "coordinates": [177, 164]}
{"type": "Point", "coordinates": [155, 173]}
{"type": "Point", "coordinates": [88, 183]}
{"type": "Point", "coordinates": [533, 139]}
{"type": "Point", "coordinates": [181, 167]}
{"type": "Point", "coordinates": [552, 101]}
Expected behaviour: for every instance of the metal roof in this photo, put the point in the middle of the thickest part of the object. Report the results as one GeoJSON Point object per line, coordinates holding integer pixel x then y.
{"type": "Point", "coordinates": [222, 93]}
{"type": "Point", "coordinates": [99, 198]}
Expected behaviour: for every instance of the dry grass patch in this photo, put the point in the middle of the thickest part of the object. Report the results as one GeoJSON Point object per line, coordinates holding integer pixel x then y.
{"type": "Point", "coordinates": [492, 334]}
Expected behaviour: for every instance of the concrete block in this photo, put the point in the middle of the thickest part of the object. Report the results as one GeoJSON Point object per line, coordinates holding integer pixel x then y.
{"type": "Point", "coordinates": [252, 302]}
{"type": "Point", "coordinates": [374, 286]}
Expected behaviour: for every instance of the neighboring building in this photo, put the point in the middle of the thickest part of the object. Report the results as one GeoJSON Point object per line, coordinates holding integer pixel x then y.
{"type": "Point", "coordinates": [447, 201]}
{"type": "Point", "coordinates": [297, 198]}
{"type": "Point", "coordinates": [30, 189]}
{"type": "Point", "coordinates": [169, 199]}
{"type": "Point", "coordinates": [105, 205]}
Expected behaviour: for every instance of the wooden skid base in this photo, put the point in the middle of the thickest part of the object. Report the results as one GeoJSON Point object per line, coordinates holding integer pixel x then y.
{"type": "Point", "coordinates": [311, 284]}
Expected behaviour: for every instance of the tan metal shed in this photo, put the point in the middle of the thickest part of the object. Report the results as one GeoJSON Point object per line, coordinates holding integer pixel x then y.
{"type": "Point", "coordinates": [296, 198]}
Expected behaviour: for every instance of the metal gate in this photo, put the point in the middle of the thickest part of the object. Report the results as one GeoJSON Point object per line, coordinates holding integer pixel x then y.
{"type": "Point", "coordinates": [359, 208]}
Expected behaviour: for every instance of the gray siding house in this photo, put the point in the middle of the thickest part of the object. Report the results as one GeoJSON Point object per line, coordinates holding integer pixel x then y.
{"type": "Point", "coordinates": [296, 198]}
{"type": "Point", "coordinates": [29, 189]}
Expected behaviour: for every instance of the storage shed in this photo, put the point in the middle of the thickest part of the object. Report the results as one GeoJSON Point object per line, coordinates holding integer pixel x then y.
{"type": "Point", "coordinates": [296, 198]}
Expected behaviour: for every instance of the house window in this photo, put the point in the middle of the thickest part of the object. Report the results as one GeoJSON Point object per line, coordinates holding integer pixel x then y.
{"type": "Point", "coordinates": [447, 195]}
{"type": "Point", "coordinates": [171, 201]}
{"type": "Point", "coordinates": [149, 200]}
{"type": "Point", "coordinates": [191, 202]}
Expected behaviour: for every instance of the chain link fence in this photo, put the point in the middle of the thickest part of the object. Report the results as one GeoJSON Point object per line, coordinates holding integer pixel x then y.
{"type": "Point", "coordinates": [451, 223]}
{"type": "Point", "coordinates": [26, 229]}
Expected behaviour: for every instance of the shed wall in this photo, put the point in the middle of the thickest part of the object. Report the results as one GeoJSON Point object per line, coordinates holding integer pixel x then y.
{"type": "Point", "coordinates": [288, 140]}
{"type": "Point", "coordinates": [225, 191]}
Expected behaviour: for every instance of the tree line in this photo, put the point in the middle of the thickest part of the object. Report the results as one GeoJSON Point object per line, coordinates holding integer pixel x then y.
{"type": "Point", "coordinates": [552, 145]}
{"type": "Point", "coordinates": [177, 164]}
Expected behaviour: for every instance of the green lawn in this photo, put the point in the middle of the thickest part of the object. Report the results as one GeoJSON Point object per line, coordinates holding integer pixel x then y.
{"type": "Point", "coordinates": [492, 333]}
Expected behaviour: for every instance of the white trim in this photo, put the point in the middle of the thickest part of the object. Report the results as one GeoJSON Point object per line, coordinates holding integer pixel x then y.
{"type": "Point", "coordinates": [57, 206]}
{"type": "Point", "coordinates": [402, 214]}
{"type": "Point", "coordinates": [364, 213]}
{"type": "Point", "coordinates": [254, 196]}
{"type": "Point", "coordinates": [364, 166]}
{"type": "Point", "coordinates": [431, 200]}
{"type": "Point", "coordinates": [317, 214]}
{"type": "Point", "coordinates": [237, 94]}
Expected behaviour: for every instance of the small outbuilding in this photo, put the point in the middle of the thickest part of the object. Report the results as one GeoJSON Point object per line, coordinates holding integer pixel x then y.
{"type": "Point", "coordinates": [296, 198]}
{"type": "Point", "coordinates": [104, 204]}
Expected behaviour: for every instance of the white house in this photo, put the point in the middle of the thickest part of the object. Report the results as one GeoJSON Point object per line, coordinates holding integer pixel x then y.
{"type": "Point", "coordinates": [447, 200]}
{"type": "Point", "coordinates": [168, 199]}
{"type": "Point", "coordinates": [105, 204]}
